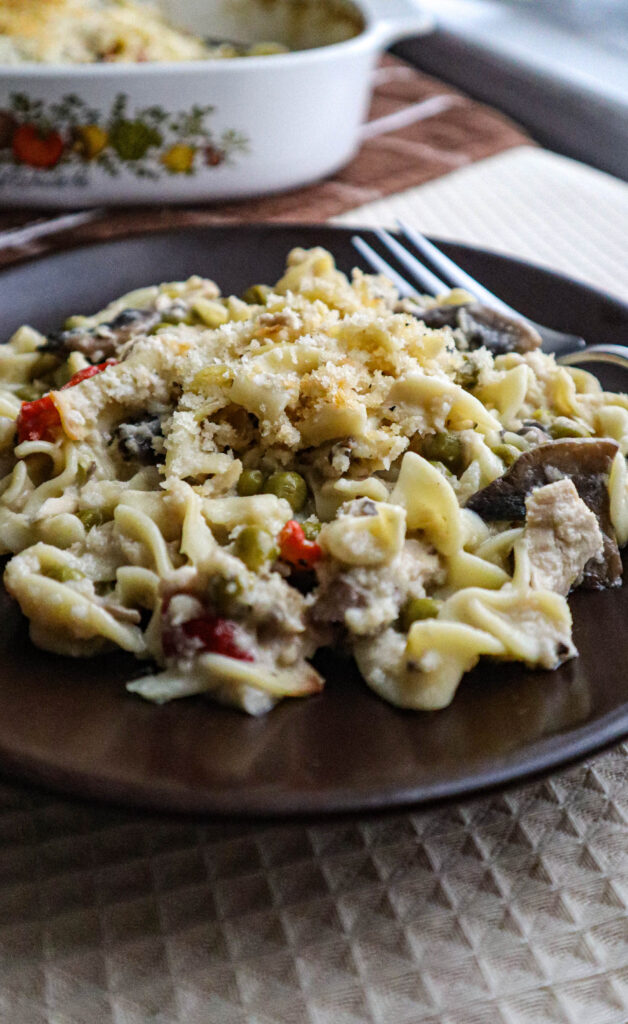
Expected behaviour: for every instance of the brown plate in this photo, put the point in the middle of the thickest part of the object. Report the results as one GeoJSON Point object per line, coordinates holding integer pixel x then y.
{"type": "Point", "coordinates": [71, 725]}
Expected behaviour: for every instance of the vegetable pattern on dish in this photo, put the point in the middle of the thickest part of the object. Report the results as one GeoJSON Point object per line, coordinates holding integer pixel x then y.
{"type": "Point", "coordinates": [150, 142]}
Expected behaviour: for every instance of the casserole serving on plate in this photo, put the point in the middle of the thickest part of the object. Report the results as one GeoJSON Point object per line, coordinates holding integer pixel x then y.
{"type": "Point", "coordinates": [73, 726]}
{"type": "Point", "coordinates": [199, 129]}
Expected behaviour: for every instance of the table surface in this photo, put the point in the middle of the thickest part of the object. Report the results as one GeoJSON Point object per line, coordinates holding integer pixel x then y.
{"type": "Point", "coordinates": [559, 67]}
{"type": "Point", "coordinates": [508, 909]}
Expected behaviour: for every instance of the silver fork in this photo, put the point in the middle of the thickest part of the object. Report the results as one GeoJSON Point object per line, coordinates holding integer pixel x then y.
{"type": "Point", "coordinates": [569, 349]}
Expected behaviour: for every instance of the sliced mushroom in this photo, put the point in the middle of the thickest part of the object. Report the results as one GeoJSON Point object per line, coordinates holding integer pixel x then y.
{"type": "Point", "coordinates": [585, 461]}
{"type": "Point", "coordinates": [141, 441]}
{"type": "Point", "coordinates": [437, 316]}
{"type": "Point", "coordinates": [104, 340]}
{"type": "Point", "coordinates": [482, 326]}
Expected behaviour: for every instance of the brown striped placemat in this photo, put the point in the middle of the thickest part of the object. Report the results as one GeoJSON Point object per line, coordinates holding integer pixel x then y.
{"type": "Point", "coordinates": [418, 129]}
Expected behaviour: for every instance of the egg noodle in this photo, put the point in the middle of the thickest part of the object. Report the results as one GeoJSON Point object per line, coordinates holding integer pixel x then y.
{"type": "Point", "coordinates": [224, 485]}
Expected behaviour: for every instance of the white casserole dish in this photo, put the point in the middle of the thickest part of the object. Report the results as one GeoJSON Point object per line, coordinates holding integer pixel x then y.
{"type": "Point", "coordinates": [200, 130]}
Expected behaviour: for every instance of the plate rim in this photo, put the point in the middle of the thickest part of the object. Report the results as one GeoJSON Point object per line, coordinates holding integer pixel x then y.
{"type": "Point", "coordinates": [64, 242]}
{"type": "Point", "coordinates": [82, 787]}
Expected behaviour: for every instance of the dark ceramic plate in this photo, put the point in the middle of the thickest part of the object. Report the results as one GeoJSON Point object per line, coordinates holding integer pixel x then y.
{"type": "Point", "coordinates": [72, 726]}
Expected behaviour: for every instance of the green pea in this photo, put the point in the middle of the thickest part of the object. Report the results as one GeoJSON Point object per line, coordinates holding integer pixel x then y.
{"type": "Point", "coordinates": [467, 375]}
{"type": "Point", "coordinates": [159, 326]}
{"type": "Point", "coordinates": [255, 546]}
{"type": "Point", "coordinates": [311, 529]}
{"type": "Point", "coordinates": [28, 393]}
{"type": "Point", "coordinates": [446, 448]}
{"type": "Point", "coordinates": [211, 312]}
{"type": "Point", "coordinates": [507, 454]}
{"type": "Point", "coordinates": [256, 295]}
{"type": "Point", "coordinates": [417, 608]}
{"type": "Point", "coordinates": [83, 473]}
{"type": "Point", "coordinates": [290, 486]}
{"type": "Point", "coordinates": [63, 573]}
{"type": "Point", "coordinates": [223, 593]}
{"type": "Point", "coordinates": [251, 481]}
{"type": "Point", "coordinates": [90, 517]}
{"type": "Point", "coordinates": [567, 428]}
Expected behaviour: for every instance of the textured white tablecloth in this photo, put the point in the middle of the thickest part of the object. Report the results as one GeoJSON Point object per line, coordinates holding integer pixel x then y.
{"type": "Point", "coordinates": [528, 203]}
{"type": "Point", "coordinates": [510, 909]}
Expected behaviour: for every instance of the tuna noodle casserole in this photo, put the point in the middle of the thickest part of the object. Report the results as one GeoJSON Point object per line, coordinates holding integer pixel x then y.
{"type": "Point", "coordinates": [90, 31]}
{"type": "Point", "coordinates": [223, 485]}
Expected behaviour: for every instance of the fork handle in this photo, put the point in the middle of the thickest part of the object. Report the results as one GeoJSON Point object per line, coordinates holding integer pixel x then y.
{"type": "Point", "coordinates": [558, 343]}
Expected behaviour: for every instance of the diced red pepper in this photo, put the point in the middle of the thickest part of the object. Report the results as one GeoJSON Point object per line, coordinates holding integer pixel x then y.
{"type": "Point", "coordinates": [38, 421]}
{"type": "Point", "coordinates": [89, 371]}
{"type": "Point", "coordinates": [296, 549]}
{"type": "Point", "coordinates": [214, 634]}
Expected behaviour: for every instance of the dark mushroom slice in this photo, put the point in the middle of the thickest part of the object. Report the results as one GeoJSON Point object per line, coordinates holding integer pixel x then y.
{"type": "Point", "coordinates": [482, 326]}
{"type": "Point", "coordinates": [139, 441]}
{"type": "Point", "coordinates": [103, 341]}
{"type": "Point", "coordinates": [585, 461]}
{"type": "Point", "coordinates": [437, 316]}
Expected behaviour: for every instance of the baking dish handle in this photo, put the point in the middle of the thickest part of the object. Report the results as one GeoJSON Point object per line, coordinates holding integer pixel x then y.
{"type": "Point", "coordinates": [390, 20]}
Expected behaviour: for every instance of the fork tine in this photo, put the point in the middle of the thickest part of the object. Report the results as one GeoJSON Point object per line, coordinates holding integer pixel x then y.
{"type": "Point", "coordinates": [454, 274]}
{"type": "Point", "coordinates": [376, 262]}
{"type": "Point", "coordinates": [555, 342]}
{"type": "Point", "coordinates": [604, 353]}
{"type": "Point", "coordinates": [431, 284]}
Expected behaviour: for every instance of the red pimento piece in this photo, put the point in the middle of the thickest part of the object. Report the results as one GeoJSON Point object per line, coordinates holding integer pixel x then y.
{"type": "Point", "coordinates": [296, 549]}
{"type": "Point", "coordinates": [89, 371]}
{"type": "Point", "coordinates": [38, 421]}
{"type": "Point", "coordinates": [214, 634]}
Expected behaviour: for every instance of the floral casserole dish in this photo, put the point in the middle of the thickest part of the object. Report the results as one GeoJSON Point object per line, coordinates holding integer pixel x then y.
{"type": "Point", "coordinates": [128, 130]}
